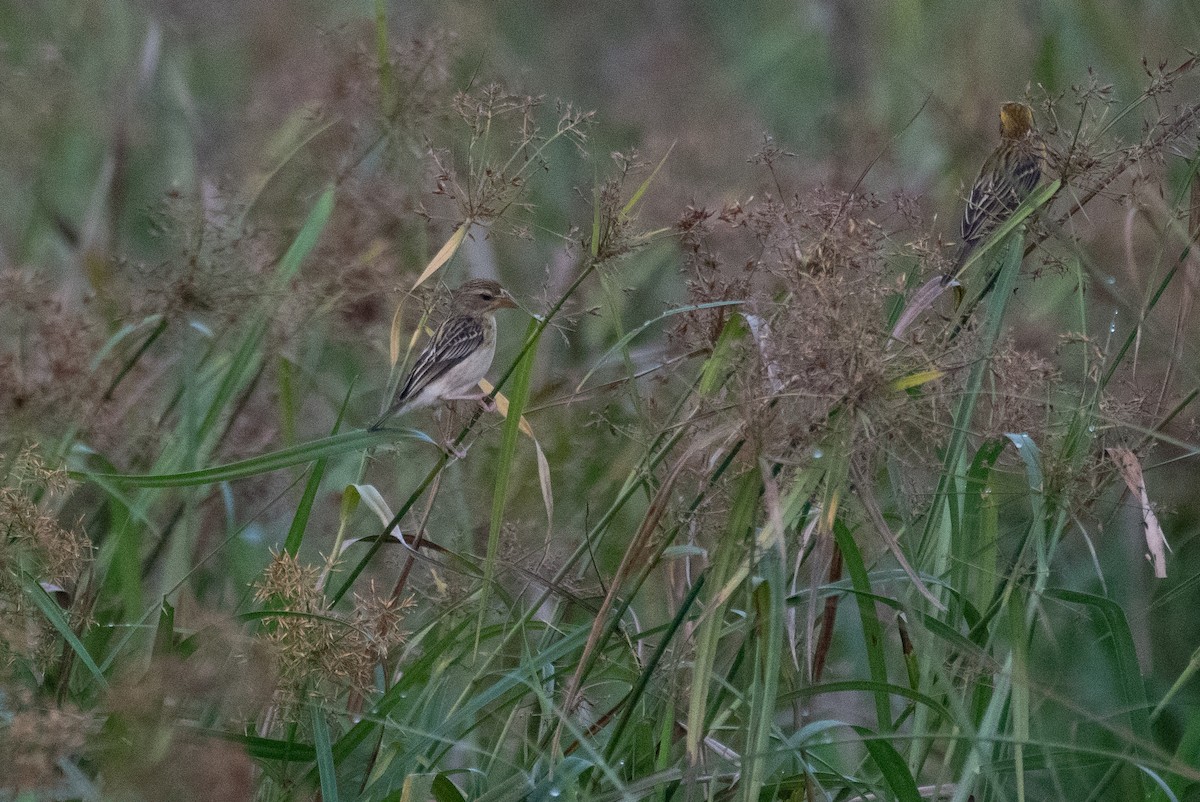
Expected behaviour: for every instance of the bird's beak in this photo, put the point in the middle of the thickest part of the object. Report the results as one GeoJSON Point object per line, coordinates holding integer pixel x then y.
{"type": "Point", "coordinates": [505, 301]}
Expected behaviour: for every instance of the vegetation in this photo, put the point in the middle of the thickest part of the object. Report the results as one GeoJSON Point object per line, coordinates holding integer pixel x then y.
{"type": "Point", "coordinates": [763, 513]}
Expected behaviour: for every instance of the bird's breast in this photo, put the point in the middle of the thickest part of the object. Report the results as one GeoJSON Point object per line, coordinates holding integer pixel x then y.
{"type": "Point", "coordinates": [475, 366]}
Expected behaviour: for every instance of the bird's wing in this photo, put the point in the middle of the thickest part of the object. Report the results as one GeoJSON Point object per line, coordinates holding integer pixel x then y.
{"type": "Point", "coordinates": [1027, 170]}
{"type": "Point", "coordinates": [455, 340]}
{"type": "Point", "coordinates": [1006, 179]}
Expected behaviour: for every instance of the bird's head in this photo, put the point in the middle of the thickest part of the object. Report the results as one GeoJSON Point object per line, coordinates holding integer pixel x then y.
{"type": "Point", "coordinates": [481, 295]}
{"type": "Point", "coordinates": [1016, 120]}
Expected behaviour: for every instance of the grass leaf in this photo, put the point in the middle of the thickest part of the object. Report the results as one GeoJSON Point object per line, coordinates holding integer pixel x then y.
{"type": "Point", "coordinates": [324, 753]}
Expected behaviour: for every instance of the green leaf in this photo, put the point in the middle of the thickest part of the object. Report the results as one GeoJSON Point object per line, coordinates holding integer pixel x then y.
{"type": "Point", "coordinates": [518, 397]}
{"type": "Point", "coordinates": [719, 364]}
{"type": "Point", "coordinates": [295, 535]}
{"type": "Point", "coordinates": [872, 631]}
{"type": "Point", "coordinates": [1119, 643]}
{"type": "Point", "coordinates": [934, 551]}
{"type": "Point", "coordinates": [54, 615]}
{"type": "Point", "coordinates": [306, 238]}
{"type": "Point", "coordinates": [446, 791]}
{"type": "Point", "coordinates": [265, 463]}
{"type": "Point", "coordinates": [893, 768]}
{"type": "Point", "coordinates": [324, 751]}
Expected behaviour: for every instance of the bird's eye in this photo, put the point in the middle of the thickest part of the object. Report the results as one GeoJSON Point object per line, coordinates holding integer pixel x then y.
{"type": "Point", "coordinates": [487, 296]}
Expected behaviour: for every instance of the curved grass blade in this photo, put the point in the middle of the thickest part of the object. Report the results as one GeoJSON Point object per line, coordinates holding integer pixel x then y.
{"type": "Point", "coordinates": [295, 133]}
{"type": "Point", "coordinates": [445, 253]}
{"type": "Point", "coordinates": [306, 238]}
{"type": "Point", "coordinates": [1119, 641]}
{"type": "Point", "coordinates": [872, 631]}
{"type": "Point", "coordinates": [265, 463]}
{"type": "Point", "coordinates": [1036, 200]}
{"type": "Point", "coordinates": [295, 533]}
{"type": "Point", "coordinates": [893, 768]}
{"type": "Point", "coordinates": [629, 336]}
{"type": "Point", "coordinates": [54, 614]}
{"type": "Point", "coordinates": [636, 197]}
{"type": "Point", "coordinates": [156, 320]}
{"type": "Point", "coordinates": [867, 686]}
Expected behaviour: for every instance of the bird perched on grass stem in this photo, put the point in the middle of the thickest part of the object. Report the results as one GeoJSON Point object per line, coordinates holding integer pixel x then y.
{"type": "Point", "coordinates": [459, 354]}
{"type": "Point", "coordinates": [1006, 179]}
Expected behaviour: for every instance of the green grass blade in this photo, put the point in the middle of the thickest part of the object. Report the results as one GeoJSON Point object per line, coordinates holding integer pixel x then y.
{"type": "Point", "coordinates": [946, 493]}
{"type": "Point", "coordinates": [49, 607]}
{"type": "Point", "coordinates": [872, 631]}
{"type": "Point", "coordinates": [1040, 197]}
{"type": "Point", "coordinates": [629, 336]}
{"type": "Point", "coordinates": [517, 399]}
{"type": "Point", "coordinates": [306, 239]}
{"type": "Point", "coordinates": [1035, 479]}
{"type": "Point", "coordinates": [635, 695]}
{"type": "Point", "coordinates": [324, 752]}
{"type": "Point", "coordinates": [295, 535]}
{"type": "Point", "coordinates": [893, 768]}
{"type": "Point", "coordinates": [265, 463]}
{"type": "Point", "coordinates": [243, 365]}
{"type": "Point", "coordinates": [719, 365]}
{"type": "Point", "coordinates": [770, 602]}
{"type": "Point", "coordinates": [979, 513]}
{"type": "Point", "coordinates": [867, 686]}
{"type": "Point", "coordinates": [444, 790]}
{"type": "Point", "coordinates": [1020, 705]}
{"type": "Point", "coordinates": [730, 549]}
{"type": "Point", "coordinates": [1118, 642]}
{"type": "Point", "coordinates": [156, 320]}
{"type": "Point", "coordinates": [260, 748]}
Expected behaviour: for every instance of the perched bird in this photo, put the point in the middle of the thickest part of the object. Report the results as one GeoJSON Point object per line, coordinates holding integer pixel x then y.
{"type": "Point", "coordinates": [459, 354]}
{"type": "Point", "coordinates": [1007, 177]}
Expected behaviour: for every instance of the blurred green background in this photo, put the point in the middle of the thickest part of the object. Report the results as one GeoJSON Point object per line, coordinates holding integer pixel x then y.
{"type": "Point", "coordinates": [155, 157]}
{"type": "Point", "coordinates": [196, 92]}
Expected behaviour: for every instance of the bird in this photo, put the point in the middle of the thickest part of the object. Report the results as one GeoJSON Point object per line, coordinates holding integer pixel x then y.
{"type": "Point", "coordinates": [1006, 179]}
{"type": "Point", "coordinates": [452, 364]}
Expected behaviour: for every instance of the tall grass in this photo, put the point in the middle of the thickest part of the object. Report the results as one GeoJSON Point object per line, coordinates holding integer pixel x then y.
{"type": "Point", "coordinates": [756, 541]}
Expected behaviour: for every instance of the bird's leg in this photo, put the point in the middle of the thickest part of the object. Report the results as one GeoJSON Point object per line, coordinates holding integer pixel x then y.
{"type": "Point", "coordinates": [447, 439]}
{"type": "Point", "coordinates": [458, 452]}
{"type": "Point", "coordinates": [485, 400]}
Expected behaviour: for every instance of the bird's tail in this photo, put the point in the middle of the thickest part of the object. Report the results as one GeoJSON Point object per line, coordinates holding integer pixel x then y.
{"type": "Point", "coordinates": [964, 253]}
{"type": "Point", "coordinates": [392, 410]}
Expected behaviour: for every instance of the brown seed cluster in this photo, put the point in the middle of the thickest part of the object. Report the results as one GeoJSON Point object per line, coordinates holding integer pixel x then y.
{"type": "Point", "coordinates": [34, 740]}
{"type": "Point", "coordinates": [35, 548]}
{"type": "Point", "coordinates": [816, 275]}
{"type": "Point", "coordinates": [46, 347]}
{"type": "Point", "coordinates": [319, 652]}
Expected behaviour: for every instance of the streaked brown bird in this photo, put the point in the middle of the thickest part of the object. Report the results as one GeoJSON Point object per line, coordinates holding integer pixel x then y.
{"type": "Point", "coordinates": [460, 353]}
{"type": "Point", "coordinates": [1007, 178]}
